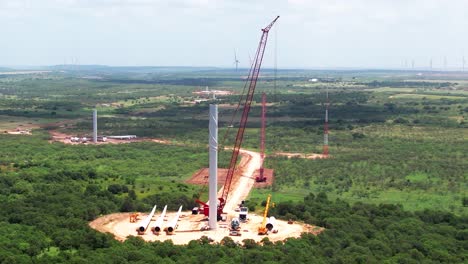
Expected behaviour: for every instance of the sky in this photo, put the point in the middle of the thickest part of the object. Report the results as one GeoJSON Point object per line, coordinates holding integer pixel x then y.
{"type": "Point", "coordinates": [309, 33]}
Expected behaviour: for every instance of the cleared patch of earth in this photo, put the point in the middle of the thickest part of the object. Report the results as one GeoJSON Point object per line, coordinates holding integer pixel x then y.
{"type": "Point", "coordinates": [190, 228]}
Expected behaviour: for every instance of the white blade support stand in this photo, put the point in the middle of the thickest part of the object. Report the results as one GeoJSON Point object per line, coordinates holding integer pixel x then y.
{"type": "Point", "coordinates": [213, 178]}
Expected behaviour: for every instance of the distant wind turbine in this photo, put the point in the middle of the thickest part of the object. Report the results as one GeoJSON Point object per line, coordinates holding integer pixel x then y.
{"type": "Point", "coordinates": [236, 61]}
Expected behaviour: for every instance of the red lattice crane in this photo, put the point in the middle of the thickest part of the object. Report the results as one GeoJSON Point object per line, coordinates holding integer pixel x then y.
{"type": "Point", "coordinates": [252, 81]}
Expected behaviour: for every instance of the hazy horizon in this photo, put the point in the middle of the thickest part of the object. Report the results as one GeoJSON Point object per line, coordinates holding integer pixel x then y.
{"type": "Point", "coordinates": [232, 68]}
{"type": "Point", "coordinates": [360, 34]}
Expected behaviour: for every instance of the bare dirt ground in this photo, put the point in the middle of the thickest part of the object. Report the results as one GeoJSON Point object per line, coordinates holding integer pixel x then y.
{"type": "Point", "coordinates": [201, 177]}
{"type": "Point", "coordinates": [302, 155]}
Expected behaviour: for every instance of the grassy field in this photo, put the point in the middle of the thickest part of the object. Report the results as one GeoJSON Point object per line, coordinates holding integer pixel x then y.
{"type": "Point", "coordinates": [390, 164]}
{"type": "Point", "coordinates": [10, 122]}
{"type": "Point", "coordinates": [427, 96]}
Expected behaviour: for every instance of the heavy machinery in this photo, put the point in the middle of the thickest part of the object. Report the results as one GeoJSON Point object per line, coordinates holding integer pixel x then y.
{"type": "Point", "coordinates": [252, 82]}
{"type": "Point", "coordinates": [261, 177]}
{"type": "Point", "coordinates": [263, 229]}
{"type": "Point", "coordinates": [235, 227]}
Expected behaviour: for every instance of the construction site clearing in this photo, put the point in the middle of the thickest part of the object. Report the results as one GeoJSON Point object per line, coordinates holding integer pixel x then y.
{"type": "Point", "coordinates": [57, 136]}
{"type": "Point", "coordinates": [192, 227]}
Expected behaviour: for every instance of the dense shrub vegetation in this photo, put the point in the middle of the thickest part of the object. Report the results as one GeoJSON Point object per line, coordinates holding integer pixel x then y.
{"type": "Point", "coordinates": [45, 232]}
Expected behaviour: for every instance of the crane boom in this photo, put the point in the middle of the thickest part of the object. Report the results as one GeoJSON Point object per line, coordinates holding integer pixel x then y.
{"type": "Point", "coordinates": [252, 81]}
{"type": "Point", "coordinates": [253, 76]}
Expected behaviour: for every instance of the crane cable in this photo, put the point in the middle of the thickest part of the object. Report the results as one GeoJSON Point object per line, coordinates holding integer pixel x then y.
{"type": "Point", "coordinates": [226, 134]}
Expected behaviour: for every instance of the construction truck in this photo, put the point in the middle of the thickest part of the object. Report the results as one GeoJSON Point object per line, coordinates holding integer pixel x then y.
{"type": "Point", "coordinates": [243, 214]}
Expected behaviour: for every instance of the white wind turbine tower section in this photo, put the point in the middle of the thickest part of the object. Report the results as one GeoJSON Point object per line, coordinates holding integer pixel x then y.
{"type": "Point", "coordinates": [236, 61]}
{"type": "Point", "coordinates": [213, 176]}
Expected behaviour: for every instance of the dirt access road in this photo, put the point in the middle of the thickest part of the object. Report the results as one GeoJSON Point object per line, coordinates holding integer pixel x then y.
{"type": "Point", "coordinates": [243, 179]}
{"type": "Point", "coordinates": [243, 183]}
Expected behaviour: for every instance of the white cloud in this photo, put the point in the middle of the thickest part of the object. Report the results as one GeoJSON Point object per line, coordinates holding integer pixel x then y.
{"type": "Point", "coordinates": [204, 32]}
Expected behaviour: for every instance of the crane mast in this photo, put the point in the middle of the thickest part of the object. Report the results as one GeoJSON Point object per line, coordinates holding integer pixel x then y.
{"type": "Point", "coordinates": [253, 76]}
